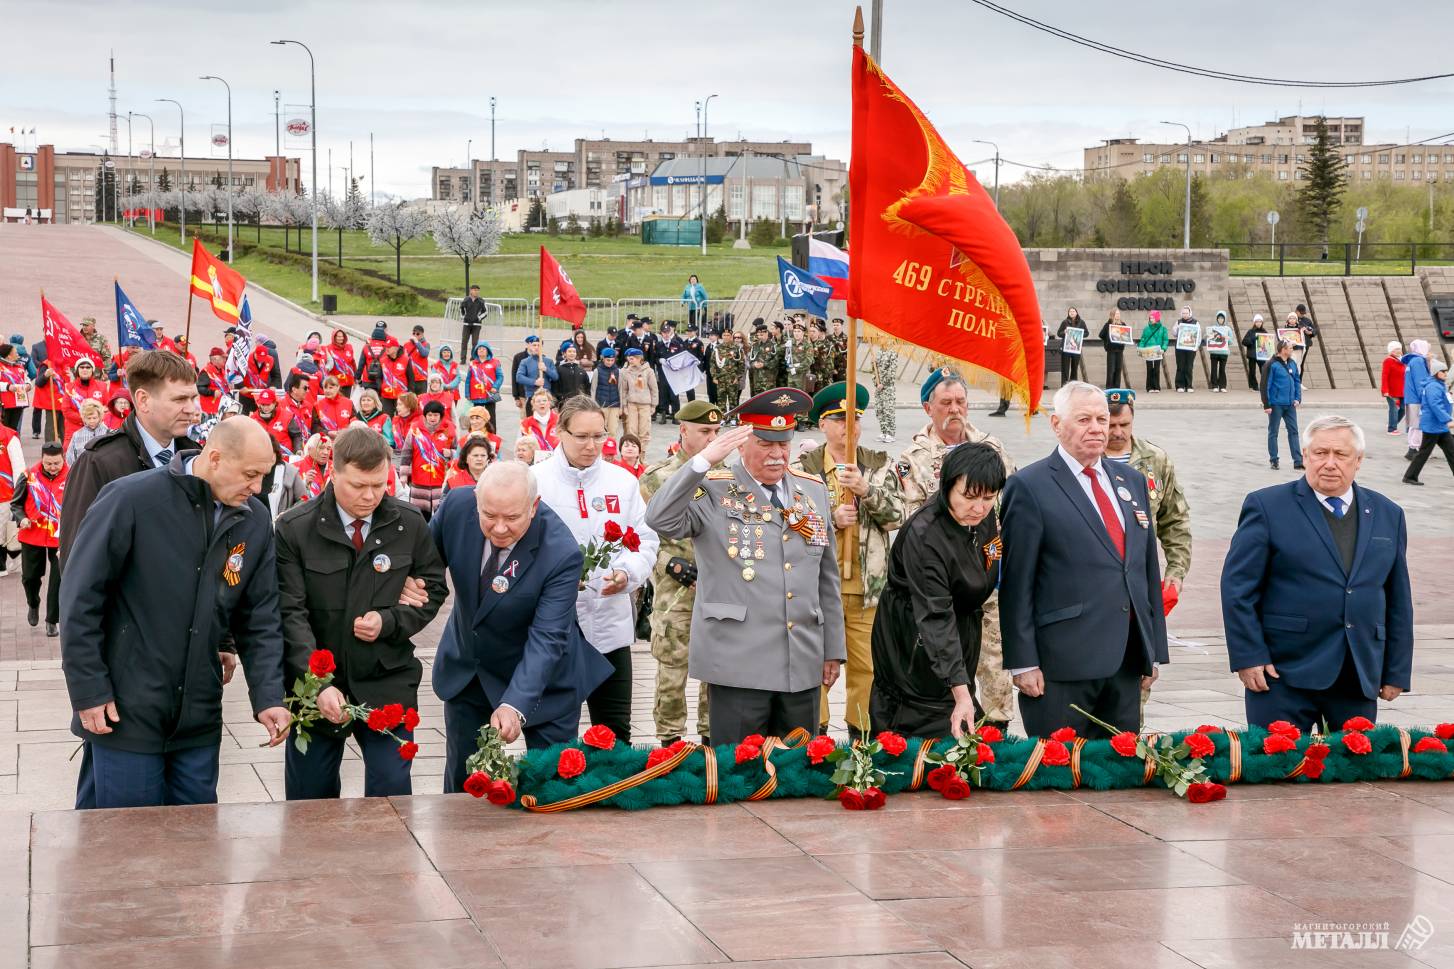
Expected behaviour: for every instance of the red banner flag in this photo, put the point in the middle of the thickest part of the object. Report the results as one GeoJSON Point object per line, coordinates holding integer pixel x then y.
{"type": "Point", "coordinates": [558, 297]}
{"type": "Point", "coordinates": [217, 283]}
{"type": "Point", "coordinates": [64, 345]}
{"type": "Point", "coordinates": [935, 268]}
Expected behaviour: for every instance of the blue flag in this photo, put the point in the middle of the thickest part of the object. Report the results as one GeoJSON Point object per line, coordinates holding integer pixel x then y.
{"type": "Point", "coordinates": [244, 315]}
{"type": "Point", "coordinates": [802, 290]}
{"type": "Point", "coordinates": [132, 330]}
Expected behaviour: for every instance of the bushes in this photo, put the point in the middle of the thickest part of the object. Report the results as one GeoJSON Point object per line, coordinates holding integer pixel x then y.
{"type": "Point", "coordinates": [394, 300]}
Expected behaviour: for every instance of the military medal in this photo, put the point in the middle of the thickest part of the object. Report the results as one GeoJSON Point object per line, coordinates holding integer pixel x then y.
{"type": "Point", "coordinates": [1123, 493]}
{"type": "Point", "coordinates": [757, 530]}
{"type": "Point", "coordinates": [748, 574]}
{"type": "Point", "coordinates": [500, 585]}
{"type": "Point", "coordinates": [759, 552]}
{"type": "Point", "coordinates": [731, 551]}
{"type": "Point", "coordinates": [381, 563]}
{"type": "Point", "coordinates": [1141, 519]}
{"type": "Point", "coordinates": [232, 571]}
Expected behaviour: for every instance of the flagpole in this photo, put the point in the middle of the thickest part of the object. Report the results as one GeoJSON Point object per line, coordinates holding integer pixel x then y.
{"type": "Point", "coordinates": [55, 386]}
{"type": "Point", "coordinates": [850, 390]}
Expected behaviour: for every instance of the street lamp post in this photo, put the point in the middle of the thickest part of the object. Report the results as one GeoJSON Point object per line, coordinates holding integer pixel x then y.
{"type": "Point", "coordinates": [313, 130]}
{"type": "Point", "coordinates": [131, 162]}
{"type": "Point", "coordinates": [469, 151]}
{"type": "Point", "coordinates": [1186, 215]}
{"type": "Point", "coordinates": [151, 179]}
{"type": "Point", "coordinates": [494, 173]}
{"type": "Point", "coordinates": [182, 164]}
{"type": "Point", "coordinates": [211, 77]}
{"type": "Point", "coordinates": [979, 141]}
{"type": "Point", "coordinates": [705, 104]}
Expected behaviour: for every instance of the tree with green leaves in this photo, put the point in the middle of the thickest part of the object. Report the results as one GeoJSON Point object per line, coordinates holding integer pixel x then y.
{"type": "Point", "coordinates": [1201, 214]}
{"type": "Point", "coordinates": [1325, 179]}
{"type": "Point", "coordinates": [717, 225]}
{"type": "Point", "coordinates": [535, 218]}
{"type": "Point", "coordinates": [763, 232]}
{"type": "Point", "coordinates": [1122, 226]}
{"type": "Point", "coordinates": [164, 181]}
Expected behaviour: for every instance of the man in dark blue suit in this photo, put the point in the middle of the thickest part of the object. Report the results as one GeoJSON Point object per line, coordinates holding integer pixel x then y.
{"type": "Point", "coordinates": [1080, 584]}
{"type": "Point", "coordinates": [1315, 591]}
{"type": "Point", "coordinates": [511, 654]}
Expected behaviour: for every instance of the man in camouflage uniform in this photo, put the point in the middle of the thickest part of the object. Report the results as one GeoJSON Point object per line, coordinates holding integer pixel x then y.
{"type": "Point", "coordinates": [823, 355]}
{"type": "Point", "coordinates": [945, 399]}
{"type": "Point", "coordinates": [886, 392]}
{"type": "Point", "coordinates": [1169, 508]}
{"type": "Point", "coordinates": [866, 499]}
{"type": "Point", "coordinates": [840, 350]}
{"type": "Point", "coordinates": [798, 358]}
{"type": "Point", "coordinates": [764, 359]}
{"type": "Point", "coordinates": [727, 363]}
{"type": "Point", "coordinates": [673, 582]}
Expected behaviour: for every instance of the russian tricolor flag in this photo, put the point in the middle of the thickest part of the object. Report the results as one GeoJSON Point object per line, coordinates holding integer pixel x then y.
{"type": "Point", "coordinates": [830, 264]}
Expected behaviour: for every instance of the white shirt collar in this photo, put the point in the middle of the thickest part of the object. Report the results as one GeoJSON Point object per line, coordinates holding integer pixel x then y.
{"type": "Point", "coordinates": [348, 520]}
{"type": "Point", "coordinates": [1076, 468]}
{"type": "Point", "coordinates": [1346, 496]}
{"type": "Point", "coordinates": [152, 445]}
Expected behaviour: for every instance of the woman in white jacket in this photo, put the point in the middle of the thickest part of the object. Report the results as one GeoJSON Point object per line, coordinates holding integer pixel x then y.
{"type": "Point", "coordinates": [586, 492]}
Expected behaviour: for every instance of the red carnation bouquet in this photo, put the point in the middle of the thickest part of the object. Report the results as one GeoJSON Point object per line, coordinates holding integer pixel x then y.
{"type": "Point", "coordinates": [303, 704]}
{"type": "Point", "coordinates": [493, 773]}
{"type": "Point", "coordinates": [1179, 766]}
{"type": "Point", "coordinates": [599, 552]}
{"type": "Point", "coordinates": [963, 764]}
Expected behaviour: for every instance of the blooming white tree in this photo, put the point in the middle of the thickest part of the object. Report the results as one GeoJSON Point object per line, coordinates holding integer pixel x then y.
{"type": "Point", "coordinates": [395, 225]}
{"type": "Point", "coordinates": [467, 235]}
{"type": "Point", "coordinates": [247, 207]}
{"type": "Point", "coordinates": [339, 214]}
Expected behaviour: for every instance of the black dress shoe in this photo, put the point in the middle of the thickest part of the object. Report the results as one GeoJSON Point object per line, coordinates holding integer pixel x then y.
{"type": "Point", "coordinates": [1410, 454]}
{"type": "Point", "coordinates": [1298, 467]}
{"type": "Point", "coordinates": [52, 630]}
{"type": "Point", "coordinates": [1274, 465]}
{"type": "Point", "coordinates": [706, 740]}
{"type": "Point", "coordinates": [997, 413]}
{"type": "Point", "coordinates": [32, 615]}
{"type": "Point", "coordinates": [668, 741]}
{"type": "Point", "coordinates": [1413, 481]}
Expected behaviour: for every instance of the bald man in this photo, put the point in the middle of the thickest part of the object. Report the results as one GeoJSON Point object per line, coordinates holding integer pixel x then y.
{"type": "Point", "coordinates": [166, 562]}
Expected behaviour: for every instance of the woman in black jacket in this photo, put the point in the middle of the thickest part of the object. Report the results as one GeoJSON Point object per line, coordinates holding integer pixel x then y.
{"type": "Point", "coordinates": [1249, 350]}
{"type": "Point", "coordinates": [1069, 362]}
{"type": "Point", "coordinates": [1114, 351]}
{"type": "Point", "coordinates": [1185, 359]}
{"type": "Point", "coordinates": [926, 633]}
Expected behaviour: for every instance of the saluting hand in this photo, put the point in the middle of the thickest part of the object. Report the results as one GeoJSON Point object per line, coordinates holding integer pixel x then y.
{"type": "Point", "coordinates": [725, 443]}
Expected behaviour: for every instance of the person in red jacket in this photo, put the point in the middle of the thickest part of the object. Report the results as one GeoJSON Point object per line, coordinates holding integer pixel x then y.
{"type": "Point", "coordinates": [417, 351]}
{"type": "Point", "coordinates": [12, 466]}
{"type": "Point", "coordinates": [297, 403]}
{"type": "Point", "coordinates": [118, 405]}
{"type": "Point", "coordinates": [334, 411]}
{"type": "Point", "coordinates": [424, 458]}
{"type": "Point", "coordinates": [212, 381]}
{"type": "Point", "coordinates": [316, 467]}
{"type": "Point", "coordinates": [261, 374]}
{"type": "Point", "coordinates": [339, 360]}
{"type": "Point", "coordinates": [482, 379]}
{"type": "Point", "coordinates": [184, 351]}
{"type": "Point", "coordinates": [85, 385]}
{"type": "Point", "coordinates": [281, 427]}
{"type": "Point", "coordinates": [540, 426]}
{"type": "Point", "coordinates": [630, 455]}
{"type": "Point", "coordinates": [14, 387]}
{"type": "Point", "coordinates": [36, 506]}
{"type": "Point", "coordinates": [1391, 385]}
{"type": "Point", "coordinates": [475, 454]}
{"type": "Point", "coordinates": [447, 367]}
{"type": "Point", "coordinates": [477, 421]}
{"type": "Point", "coordinates": [394, 374]}
{"type": "Point", "coordinates": [437, 391]}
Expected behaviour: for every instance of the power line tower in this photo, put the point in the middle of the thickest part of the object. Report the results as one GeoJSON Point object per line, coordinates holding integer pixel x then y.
{"type": "Point", "coordinates": [112, 92]}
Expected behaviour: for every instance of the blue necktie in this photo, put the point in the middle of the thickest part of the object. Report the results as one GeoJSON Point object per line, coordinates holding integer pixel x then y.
{"type": "Point", "coordinates": [162, 457]}
{"type": "Point", "coordinates": [1337, 505]}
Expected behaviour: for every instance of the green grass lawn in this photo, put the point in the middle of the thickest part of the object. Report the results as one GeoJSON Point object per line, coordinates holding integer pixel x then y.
{"type": "Point", "coordinates": [1332, 267]}
{"type": "Point", "coordinates": [600, 268]}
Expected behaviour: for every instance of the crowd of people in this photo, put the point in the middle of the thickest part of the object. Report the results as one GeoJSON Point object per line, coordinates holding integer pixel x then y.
{"type": "Point", "coordinates": [941, 582]}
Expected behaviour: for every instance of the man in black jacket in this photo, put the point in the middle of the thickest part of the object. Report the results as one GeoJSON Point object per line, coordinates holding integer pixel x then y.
{"type": "Point", "coordinates": [474, 310]}
{"type": "Point", "coordinates": [166, 564]}
{"type": "Point", "coordinates": [342, 564]}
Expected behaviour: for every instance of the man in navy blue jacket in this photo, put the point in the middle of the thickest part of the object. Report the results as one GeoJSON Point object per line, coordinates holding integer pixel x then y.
{"type": "Point", "coordinates": [512, 654]}
{"type": "Point", "coordinates": [1080, 585]}
{"type": "Point", "coordinates": [165, 563]}
{"type": "Point", "coordinates": [1315, 591]}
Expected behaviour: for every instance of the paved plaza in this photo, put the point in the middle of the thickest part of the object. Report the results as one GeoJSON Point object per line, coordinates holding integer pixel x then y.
{"type": "Point", "coordinates": [1043, 879]}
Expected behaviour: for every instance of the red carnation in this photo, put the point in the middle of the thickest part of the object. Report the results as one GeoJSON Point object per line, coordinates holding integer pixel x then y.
{"type": "Point", "coordinates": [1209, 728]}
{"type": "Point", "coordinates": [658, 755]}
{"type": "Point", "coordinates": [321, 664]}
{"type": "Point", "coordinates": [676, 745]}
{"type": "Point", "coordinates": [1444, 731]}
{"type": "Point", "coordinates": [984, 754]}
{"type": "Point", "coordinates": [408, 749]}
{"type": "Point", "coordinates": [850, 799]}
{"type": "Point", "coordinates": [631, 541]}
{"type": "Point", "coordinates": [1065, 735]}
{"type": "Point", "coordinates": [756, 739]}
{"type": "Point", "coordinates": [1124, 743]}
{"type": "Point", "coordinates": [1431, 745]}
{"type": "Point", "coordinates": [956, 788]}
{"type": "Point", "coordinates": [1285, 729]}
{"type": "Point", "coordinates": [1313, 769]}
{"type": "Point", "coordinates": [820, 747]}
{"type": "Point", "coordinates": [991, 734]}
{"type": "Point", "coordinates": [873, 799]}
{"type": "Point", "coordinates": [939, 777]}
{"type": "Point", "coordinates": [572, 763]}
{"type": "Point", "coordinates": [1358, 723]}
{"type": "Point", "coordinates": [1201, 793]}
{"type": "Point", "coordinates": [391, 715]}
{"type": "Point", "coordinates": [378, 720]}
{"type": "Point", "coordinates": [502, 793]}
{"type": "Point", "coordinates": [1317, 752]}
{"type": "Point", "coordinates": [892, 743]}
{"type": "Point", "coordinates": [411, 719]}
{"type": "Point", "coordinates": [1357, 743]}
{"type": "Point", "coordinates": [599, 736]}
{"type": "Point", "coordinates": [1276, 743]}
{"type": "Point", "coordinates": [1056, 754]}
{"type": "Point", "coordinates": [746, 752]}
{"type": "Point", "coordinates": [477, 784]}
{"type": "Point", "coordinates": [1199, 745]}
{"type": "Point", "coordinates": [612, 532]}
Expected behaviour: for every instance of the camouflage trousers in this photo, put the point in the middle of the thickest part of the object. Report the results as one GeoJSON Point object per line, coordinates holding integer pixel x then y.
{"type": "Point", "coordinates": [993, 684]}
{"type": "Point", "coordinates": [858, 671]}
{"type": "Point", "coordinates": [885, 395]}
{"type": "Point", "coordinates": [671, 624]}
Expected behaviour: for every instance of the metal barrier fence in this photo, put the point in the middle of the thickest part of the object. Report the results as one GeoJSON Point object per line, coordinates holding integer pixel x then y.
{"type": "Point", "coordinates": [1334, 259]}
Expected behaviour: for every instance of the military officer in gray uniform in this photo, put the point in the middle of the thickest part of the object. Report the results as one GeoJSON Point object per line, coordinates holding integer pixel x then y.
{"type": "Point", "coordinates": [767, 626]}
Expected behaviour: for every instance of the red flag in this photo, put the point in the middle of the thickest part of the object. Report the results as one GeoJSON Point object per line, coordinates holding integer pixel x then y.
{"type": "Point", "coordinates": [217, 283]}
{"type": "Point", "coordinates": [558, 297]}
{"type": "Point", "coordinates": [934, 265]}
{"type": "Point", "coordinates": [64, 345]}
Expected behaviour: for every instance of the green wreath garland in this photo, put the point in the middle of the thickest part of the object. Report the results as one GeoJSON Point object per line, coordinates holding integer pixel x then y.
{"type": "Point", "coordinates": [617, 775]}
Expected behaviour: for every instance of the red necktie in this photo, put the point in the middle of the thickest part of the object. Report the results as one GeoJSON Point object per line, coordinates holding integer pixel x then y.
{"type": "Point", "coordinates": [1108, 512]}
{"type": "Point", "coordinates": [357, 527]}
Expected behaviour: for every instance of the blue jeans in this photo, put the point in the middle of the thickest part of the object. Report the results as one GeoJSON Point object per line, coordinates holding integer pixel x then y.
{"type": "Point", "coordinates": [1395, 412]}
{"type": "Point", "coordinates": [1284, 414]}
{"type": "Point", "coordinates": [112, 778]}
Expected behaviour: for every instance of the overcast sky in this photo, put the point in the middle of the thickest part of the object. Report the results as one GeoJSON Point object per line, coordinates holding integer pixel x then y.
{"type": "Point", "coordinates": [419, 76]}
